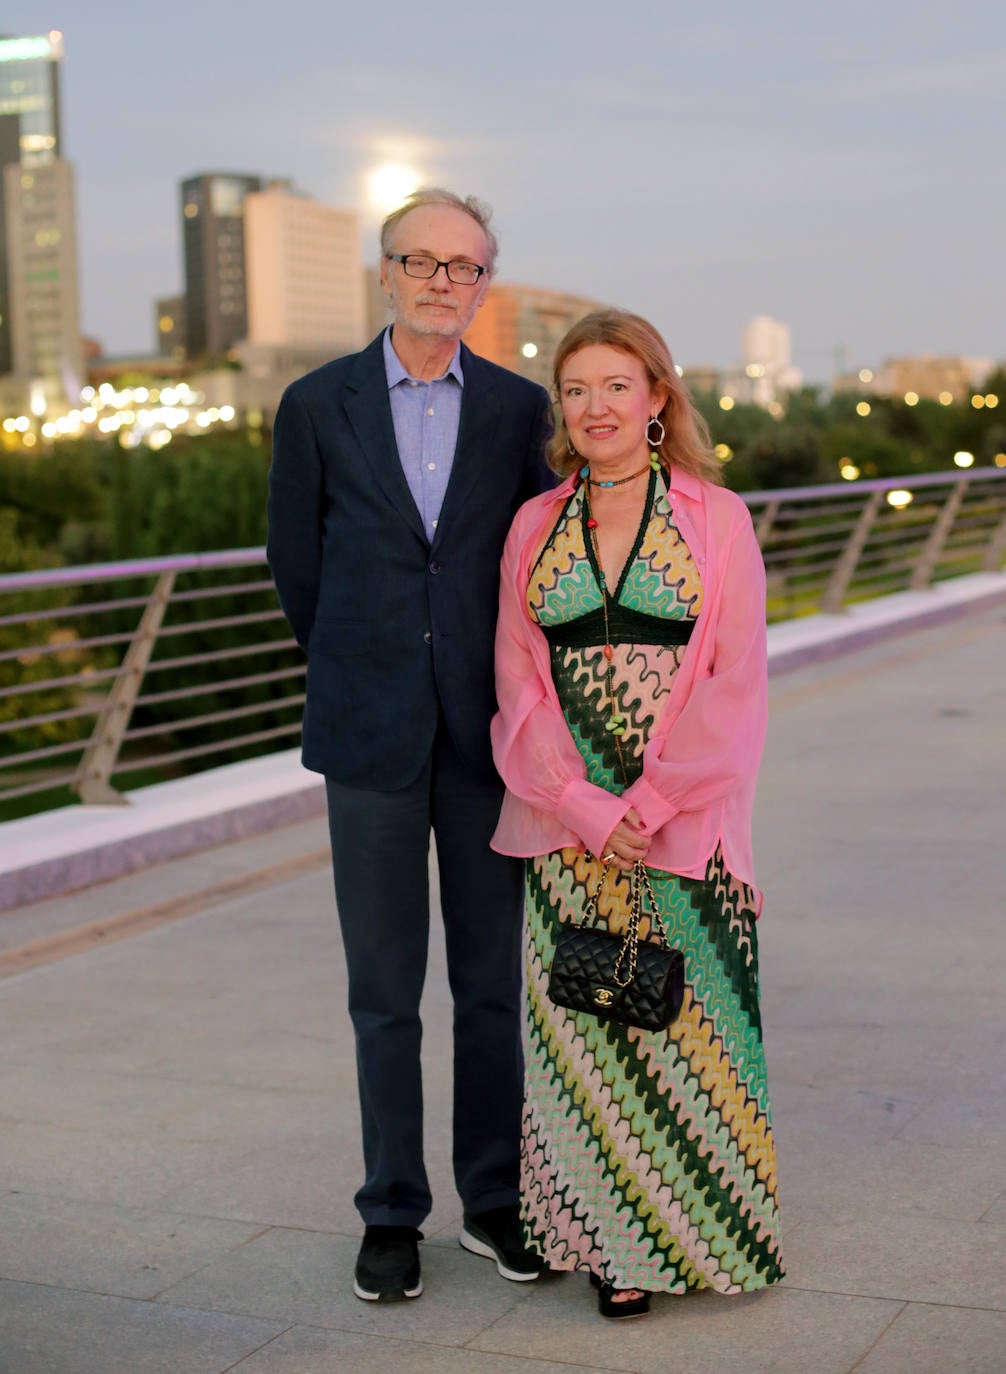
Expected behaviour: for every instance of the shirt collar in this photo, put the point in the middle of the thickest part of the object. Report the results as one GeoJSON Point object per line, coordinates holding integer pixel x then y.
{"type": "Point", "coordinates": [397, 373]}
{"type": "Point", "coordinates": [687, 483]}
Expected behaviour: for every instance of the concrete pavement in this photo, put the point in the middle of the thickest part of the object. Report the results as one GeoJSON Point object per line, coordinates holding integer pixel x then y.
{"type": "Point", "coordinates": [178, 1120]}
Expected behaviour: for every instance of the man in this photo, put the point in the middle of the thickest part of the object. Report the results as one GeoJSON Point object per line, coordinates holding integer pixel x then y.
{"type": "Point", "coordinates": [395, 475]}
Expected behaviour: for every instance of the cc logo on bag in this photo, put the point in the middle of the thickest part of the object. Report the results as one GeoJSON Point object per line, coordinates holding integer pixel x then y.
{"type": "Point", "coordinates": [603, 997]}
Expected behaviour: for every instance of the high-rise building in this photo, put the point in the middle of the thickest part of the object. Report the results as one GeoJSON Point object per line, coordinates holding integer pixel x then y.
{"type": "Point", "coordinates": [519, 327]}
{"type": "Point", "coordinates": [47, 350]}
{"type": "Point", "coordinates": [169, 321]}
{"type": "Point", "coordinates": [303, 273]}
{"type": "Point", "coordinates": [213, 241]}
{"type": "Point", "coordinates": [39, 312]}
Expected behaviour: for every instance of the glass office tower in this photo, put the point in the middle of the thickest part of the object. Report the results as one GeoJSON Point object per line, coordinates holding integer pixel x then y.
{"type": "Point", "coordinates": [29, 135]}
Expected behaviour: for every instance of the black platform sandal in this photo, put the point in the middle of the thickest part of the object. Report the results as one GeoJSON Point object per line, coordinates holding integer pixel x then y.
{"type": "Point", "coordinates": [616, 1311]}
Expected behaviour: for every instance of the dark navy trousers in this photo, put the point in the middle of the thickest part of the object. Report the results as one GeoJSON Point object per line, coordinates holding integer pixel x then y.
{"type": "Point", "coordinates": [380, 857]}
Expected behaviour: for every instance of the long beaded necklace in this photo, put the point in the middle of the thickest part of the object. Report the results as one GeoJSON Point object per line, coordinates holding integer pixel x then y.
{"type": "Point", "coordinates": [616, 722]}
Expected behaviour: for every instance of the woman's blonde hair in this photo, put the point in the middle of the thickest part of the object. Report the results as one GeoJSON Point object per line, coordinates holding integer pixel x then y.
{"type": "Point", "coordinates": [686, 440]}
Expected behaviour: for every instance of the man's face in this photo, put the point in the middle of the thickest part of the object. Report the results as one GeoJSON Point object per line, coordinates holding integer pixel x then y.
{"type": "Point", "coordinates": [435, 306]}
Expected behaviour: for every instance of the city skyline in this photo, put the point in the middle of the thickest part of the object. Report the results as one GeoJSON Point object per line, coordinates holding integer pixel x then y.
{"type": "Point", "coordinates": [700, 172]}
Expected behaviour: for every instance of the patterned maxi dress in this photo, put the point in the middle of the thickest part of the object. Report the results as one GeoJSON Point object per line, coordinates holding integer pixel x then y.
{"type": "Point", "coordinates": [647, 1158]}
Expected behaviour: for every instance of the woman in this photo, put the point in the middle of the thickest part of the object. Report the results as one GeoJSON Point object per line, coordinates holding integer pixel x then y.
{"type": "Point", "coordinates": [631, 676]}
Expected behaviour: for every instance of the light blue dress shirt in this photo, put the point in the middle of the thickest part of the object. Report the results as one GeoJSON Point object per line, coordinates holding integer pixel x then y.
{"type": "Point", "coordinates": [426, 416]}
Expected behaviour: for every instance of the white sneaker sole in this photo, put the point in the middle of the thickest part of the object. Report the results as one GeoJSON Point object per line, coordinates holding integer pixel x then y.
{"type": "Point", "coordinates": [480, 1247]}
{"type": "Point", "coordinates": [381, 1297]}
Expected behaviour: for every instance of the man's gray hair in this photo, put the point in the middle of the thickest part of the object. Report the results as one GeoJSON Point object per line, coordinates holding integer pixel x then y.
{"type": "Point", "coordinates": [436, 195]}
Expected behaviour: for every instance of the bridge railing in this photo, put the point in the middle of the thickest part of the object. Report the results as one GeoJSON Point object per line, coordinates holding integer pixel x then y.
{"type": "Point", "coordinates": [131, 671]}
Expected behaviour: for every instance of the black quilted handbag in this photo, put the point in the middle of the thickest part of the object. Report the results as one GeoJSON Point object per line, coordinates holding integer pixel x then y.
{"type": "Point", "coordinates": [619, 977]}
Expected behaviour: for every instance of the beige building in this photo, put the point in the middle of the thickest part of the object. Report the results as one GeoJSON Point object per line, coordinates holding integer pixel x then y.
{"type": "Point", "coordinates": [40, 224]}
{"type": "Point", "coordinates": [932, 378]}
{"type": "Point", "coordinates": [519, 327]}
{"type": "Point", "coordinates": [378, 306]}
{"type": "Point", "coordinates": [303, 274]}
{"type": "Point", "coordinates": [923, 377]}
{"type": "Point", "coordinates": [702, 379]}
{"type": "Point", "coordinates": [767, 359]}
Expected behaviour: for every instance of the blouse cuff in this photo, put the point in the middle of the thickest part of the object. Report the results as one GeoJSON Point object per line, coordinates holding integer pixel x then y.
{"type": "Point", "coordinates": [591, 812]}
{"type": "Point", "coordinates": [652, 809]}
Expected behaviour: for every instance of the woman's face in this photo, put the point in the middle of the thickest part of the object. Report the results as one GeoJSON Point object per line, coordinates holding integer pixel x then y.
{"type": "Point", "coordinates": [606, 401]}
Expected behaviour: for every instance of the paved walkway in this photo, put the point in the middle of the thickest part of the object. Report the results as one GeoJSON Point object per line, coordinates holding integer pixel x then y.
{"type": "Point", "coordinates": [178, 1123]}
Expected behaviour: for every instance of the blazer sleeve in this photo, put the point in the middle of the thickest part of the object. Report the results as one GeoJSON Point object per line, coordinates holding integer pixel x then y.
{"type": "Point", "coordinates": [295, 514]}
{"type": "Point", "coordinates": [532, 746]}
{"type": "Point", "coordinates": [715, 743]}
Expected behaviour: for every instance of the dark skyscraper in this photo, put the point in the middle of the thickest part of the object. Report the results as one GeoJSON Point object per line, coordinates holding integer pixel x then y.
{"type": "Point", "coordinates": [29, 135]}
{"type": "Point", "coordinates": [213, 238]}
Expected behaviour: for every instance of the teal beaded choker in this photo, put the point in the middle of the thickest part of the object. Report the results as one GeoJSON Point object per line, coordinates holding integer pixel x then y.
{"type": "Point", "coordinates": [652, 465]}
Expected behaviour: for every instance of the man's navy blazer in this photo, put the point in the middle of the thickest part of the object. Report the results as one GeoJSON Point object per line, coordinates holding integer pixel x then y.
{"type": "Point", "coordinates": [396, 629]}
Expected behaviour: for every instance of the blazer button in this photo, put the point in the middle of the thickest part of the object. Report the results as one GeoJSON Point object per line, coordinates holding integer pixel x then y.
{"type": "Point", "coordinates": [434, 568]}
{"type": "Point", "coordinates": [428, 637]}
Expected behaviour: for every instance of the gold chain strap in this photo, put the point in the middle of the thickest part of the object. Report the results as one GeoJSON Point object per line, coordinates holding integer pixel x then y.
{"type": "Point", "coordinates": [628, 956]}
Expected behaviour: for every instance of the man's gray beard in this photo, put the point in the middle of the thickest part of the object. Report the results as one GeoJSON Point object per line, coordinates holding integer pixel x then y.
{"type": "Point", "coordinates": [446, 329]}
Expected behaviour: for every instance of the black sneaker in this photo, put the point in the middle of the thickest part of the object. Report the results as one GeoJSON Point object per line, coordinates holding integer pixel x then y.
{"type": "Point", "coordinates": [387, 1267]}
{"type": "Point", "coordinates": [498, 1235]}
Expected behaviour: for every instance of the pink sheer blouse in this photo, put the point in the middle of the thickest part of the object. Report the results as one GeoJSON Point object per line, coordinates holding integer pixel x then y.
{"type": "Point", "coordinates": [701, 761]}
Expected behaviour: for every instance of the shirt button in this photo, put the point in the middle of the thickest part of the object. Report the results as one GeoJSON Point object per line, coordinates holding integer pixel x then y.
{"type": "Point", "coordinates": [430, 411]}
{"type": "Point", "coordinates": [431, 467]}
{"type": "Point", "coordinates": [428, 637]}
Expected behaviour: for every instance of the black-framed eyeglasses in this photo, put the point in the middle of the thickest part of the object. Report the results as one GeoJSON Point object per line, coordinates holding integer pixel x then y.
{"type": "Point", "coordinates": [421, 265]}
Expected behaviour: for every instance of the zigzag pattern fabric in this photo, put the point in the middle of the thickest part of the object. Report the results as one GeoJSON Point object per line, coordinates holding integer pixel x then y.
{"type": "Point", "coordinates": [646, 1158]}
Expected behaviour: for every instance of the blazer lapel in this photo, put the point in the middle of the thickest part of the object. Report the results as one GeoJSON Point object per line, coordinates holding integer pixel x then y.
{"type": "Point", "coordinates": [369, 411]}
{"type": "Point", "coordinates": [480, 410]}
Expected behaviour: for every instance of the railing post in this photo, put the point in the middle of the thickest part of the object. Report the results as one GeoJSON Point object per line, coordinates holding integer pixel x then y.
{"type": "Point", "coordinates": [765, 523]}
{"type": "Point", "coordinates": [929, 556]}
{"type": "Point", "coordinates": [993, 558]}
{"type": "Point", "coordinates": [98, 763]}
{"type": "Point", "coordinates": [834, 594]}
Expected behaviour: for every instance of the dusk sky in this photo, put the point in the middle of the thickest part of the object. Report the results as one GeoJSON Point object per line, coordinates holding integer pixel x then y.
{"type": "Point", "coordinates": [840, 169]}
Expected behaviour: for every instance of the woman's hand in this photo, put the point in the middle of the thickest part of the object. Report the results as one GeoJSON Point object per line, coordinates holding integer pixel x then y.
{"type": "Point", "coordinates": [625, 843]}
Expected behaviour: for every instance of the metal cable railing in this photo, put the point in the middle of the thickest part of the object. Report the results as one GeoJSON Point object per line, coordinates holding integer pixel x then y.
{"type": "Point", "coordinates": [148, 675]}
